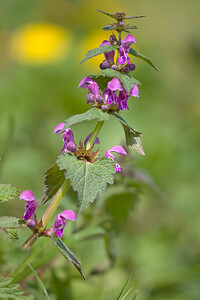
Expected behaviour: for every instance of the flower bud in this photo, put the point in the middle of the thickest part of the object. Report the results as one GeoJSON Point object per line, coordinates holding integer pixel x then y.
{"type": "Point", "coordinates": [132, 67]}
{"type": "Point", "coordinates": [126, 69]}
{"type": "Point", "coordinates": [31, 223]}
{"type": "Point", "coordinates": [105, 64]}
{"type": "Point", "coordinates": [104, 107]}
{"type": "Point", "coordinates": [112, 38]}
{"type": "Point", "coordinates": [71, 146]}
{"type": "Point", "coordinates": [114, 67]}
{"type": "Point", "coordinates": [90, 98]}
{"type": "Point", "coordinates": [99, 99]}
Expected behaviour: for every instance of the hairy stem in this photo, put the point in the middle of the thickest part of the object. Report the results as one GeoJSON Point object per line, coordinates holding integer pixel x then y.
{"type": "Point", "coordinates": [94, 135]}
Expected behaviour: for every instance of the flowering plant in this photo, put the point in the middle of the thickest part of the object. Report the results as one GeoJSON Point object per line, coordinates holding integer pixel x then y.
{"type": "Point", "coordinates": [80, 165]}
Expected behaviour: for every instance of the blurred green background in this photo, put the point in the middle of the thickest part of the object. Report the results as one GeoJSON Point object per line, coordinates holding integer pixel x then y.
{"type": "Point", "coordinates": [41, 45]}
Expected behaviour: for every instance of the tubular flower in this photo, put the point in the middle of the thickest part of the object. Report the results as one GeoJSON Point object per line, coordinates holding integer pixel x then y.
{"type": "Point", "coordinates": [60, 222]}
{"type": "Point", "coordinates": [124, 49]}
{"type": "Point", "coordinates": [93, 88]}
{"type": "Point", "coordinates": [109, 57]}
{"type": "Point", "coordinates": [116, 149]}
{"type": "Point", "coordinates": [68, 138]}
{"type": "Point", "coordinates": [30, 205]}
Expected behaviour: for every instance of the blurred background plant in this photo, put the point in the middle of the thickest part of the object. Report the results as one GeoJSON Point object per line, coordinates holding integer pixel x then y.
{"type": "Point", "coordinates": [41, 46]}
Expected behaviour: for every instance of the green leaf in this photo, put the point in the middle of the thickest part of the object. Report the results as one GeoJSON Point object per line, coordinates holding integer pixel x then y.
{"type": "Point", "coordinates": [135, 17]}
{"type": "Point", "coordinates": [12, 233]}
{"type": "Point", "coordinates": [125, 79]}
{"type": "Point", "coordinates": [133, 137]}
{"type": "Point", "coordinates": [121, 295]}
{"type": "Point", "coordinates": [39, 281]}
{"type": "Point", "coordinates": [54, 178]}
{"type": "Point", "coordinates": [122, 28]}
{"type": "Point", "coordinates": [7, 192]}
{"type": "Point", "coordinates": [67, 253]}
{"type": "Point", "coordinates": [88, 179]}
{"type": "Point", "coordinates": [9, 291]}
{"type": "Point", "coordinates": [101, 80]}
{"type": "Point", "coordinates": [93, 113]}
{"type": "Point", "coordinates": [99, 50]}
{"type": "Point", "coordinates": [137, 54]}
{"type": "Point", "coordinates": [10, 222]}
{"type": "Point", "coordinates": [105, 13]}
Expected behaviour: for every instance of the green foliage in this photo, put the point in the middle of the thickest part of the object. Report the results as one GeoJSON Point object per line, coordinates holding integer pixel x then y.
{"type": "Point", "coordinates": [98, 51]}
{"type": "Point", "coordinates": [67, 253]}
{"type": "Point", "coordinates": [101, 80]}
{"type": "Point", "coordinates": [10, 222]}
{"type": "Point", "coordinates": [105, 13]}
{"type": "Point", "coordinates": [9, 291]}
{"type": "Point", "coordinates": [12, 233]}
{"type": "Point", "coordinates": [133, 137]}
{"type": "Point", "coordinates": [7, 192]}
{"type": "Point", "coordinates": [124, 294]}
{"type": "Point", "coordinates": [139, 55]}
{"type": "Point", "coordinates": [88, 179]}
{"type": "Point", "coordinates": [111, 27]}
{"type": "Point", "coordinates": [126, 80]}
{"type": "Point", "coordinates": [39, 281]}
{"type": "Point", "coordinates": [91, 114]}
{"type": "Point", "coordinates": [54, 178]}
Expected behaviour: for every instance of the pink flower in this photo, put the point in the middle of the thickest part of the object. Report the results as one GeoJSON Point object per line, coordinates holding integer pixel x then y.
{"type": "Point", "coordinates": [60, 222]}
{"type": "Point", "coordinates": [116, 149]}
{"type": "Point", "coordinates": [30, 205]}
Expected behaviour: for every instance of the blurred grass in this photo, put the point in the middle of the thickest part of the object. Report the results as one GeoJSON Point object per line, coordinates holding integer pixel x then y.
{"type": "Point", "coordinates": [160, 243]}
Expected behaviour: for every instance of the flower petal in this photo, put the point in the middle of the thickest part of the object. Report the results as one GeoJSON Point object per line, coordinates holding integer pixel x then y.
{"type": "Point", "coordinates": [104, 43]}
{"type": "Point", "coordinates": [27, 195]}
{"type": "Point", "coordinates": [59, 128]}
{"type": "Point", "coordinates": [118, 149]}
{"type": "Point", "coordinates": [114, 85]}
{"type": "Point", "coordinates": [129, 39]}
{"type": "Point", "coordinates": [135, 92]}
{"type": "Point", "coordinates": [85, 82]}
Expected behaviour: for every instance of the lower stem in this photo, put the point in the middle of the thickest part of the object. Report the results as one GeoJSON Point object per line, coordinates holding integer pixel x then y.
{"type": "Point", "coordinates": [94, 135]}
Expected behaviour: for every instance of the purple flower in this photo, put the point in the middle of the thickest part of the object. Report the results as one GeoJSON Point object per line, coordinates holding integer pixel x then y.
{"type": "Point", "coordinates": [92, 86]}
{"type": "Point", "coordinates": [124, 49]}
{"type": "Point", "coordinates": [116, 149]}
{"type": "Point", "coordinates": [68, 138]}
{"type": "Point", "coordinates": [60, 222]}
{"type": "Point", "coordinates": [110, 93]}
{"type": "Point", "coordinates": [30, 205]}
{"type": "Point", "coordinates": [97, 141]}
{"type": "Point", "coordinates": [109, 56]}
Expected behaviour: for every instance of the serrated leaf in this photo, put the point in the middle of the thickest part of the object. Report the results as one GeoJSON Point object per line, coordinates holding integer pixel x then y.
{"type": "Point", "coordinates": [10, 222]}
{"type": "Point", "coordinates": [39, 281]}
{"type": "Point", "coordinates": [67, 253]}
{"type": "Point", "coordinates": [133, 137]}
{"type": "Point", "coordinates": [88, 179]}
{"type": "Point", "coordinates": [105, 13]}
{"type": "Point", "coordinates": [126, 80]}
{"type": "Point", "coordinates": [99, 50]}
{"type": "Point", "coordinates": [91, 114]}
{"type": "Point", "coordinates": [139, 55]}
{"type": "Point", "coordinates": [7, 192]}
{"type": "Point", "coordinates": [9, 291]}
{"type": "Point", "coordinates": [12, 233]}
{"type": "Point", "coordinates": [54, 178]}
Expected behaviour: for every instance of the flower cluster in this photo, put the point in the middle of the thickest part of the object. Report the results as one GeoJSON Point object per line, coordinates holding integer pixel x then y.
{"type": "Point", "coordinates": [123, 61]}
{"type": "Point", "coordinates": [79, 151]}
{"type": "Point", "coordinates": [114, 97]}
{"type": "Point", "coordinates": [30, 215]}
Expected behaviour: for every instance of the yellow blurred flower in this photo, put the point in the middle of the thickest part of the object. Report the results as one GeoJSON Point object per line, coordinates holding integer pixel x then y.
{"type": "Point", "coordinates": [40, 43]}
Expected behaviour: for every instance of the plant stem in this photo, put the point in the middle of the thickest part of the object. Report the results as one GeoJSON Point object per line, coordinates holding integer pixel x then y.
{"type": "Point", "coordinates": [94, 135]}
{"type": "Point", "coordinates": [47, 215]}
